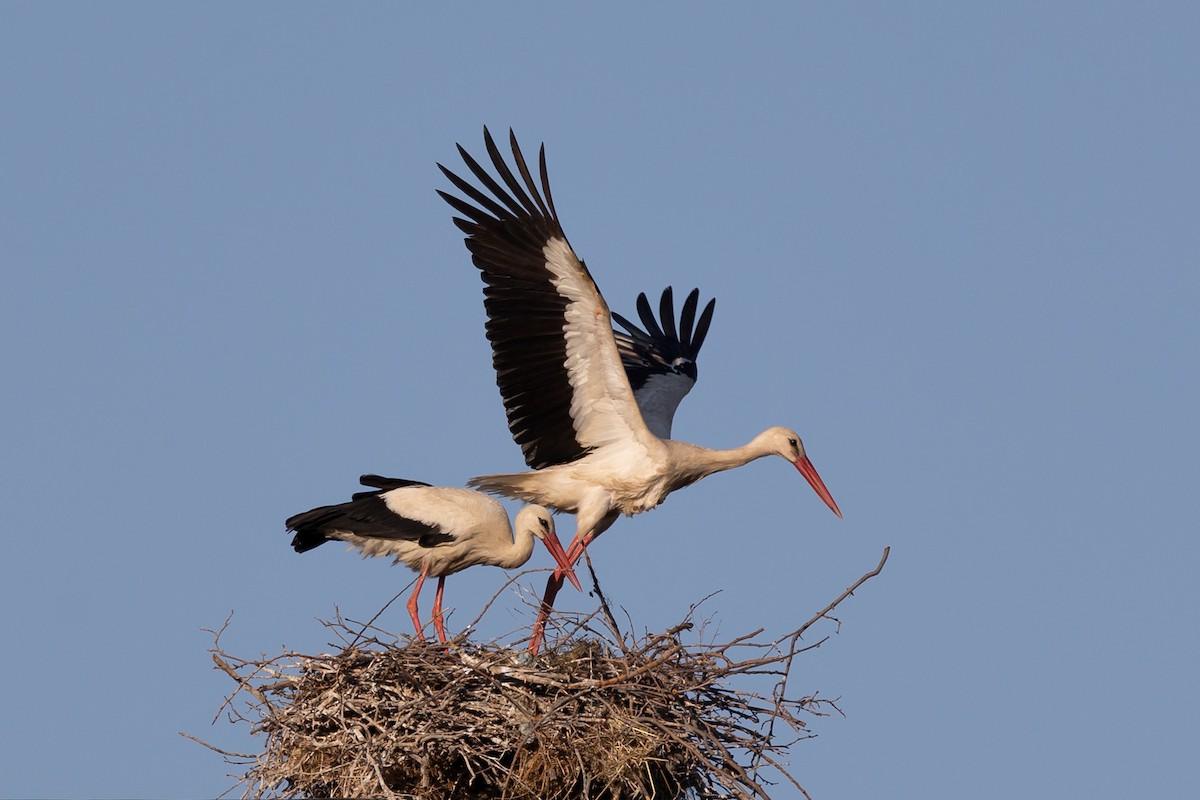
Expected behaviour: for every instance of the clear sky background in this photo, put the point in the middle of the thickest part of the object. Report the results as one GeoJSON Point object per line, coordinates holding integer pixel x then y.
{"type": "Point", "coordinates": [956, 246]}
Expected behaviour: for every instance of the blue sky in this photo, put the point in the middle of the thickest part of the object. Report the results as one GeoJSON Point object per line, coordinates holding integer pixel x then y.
{"type": "Point", "coordinates": [955, 246]}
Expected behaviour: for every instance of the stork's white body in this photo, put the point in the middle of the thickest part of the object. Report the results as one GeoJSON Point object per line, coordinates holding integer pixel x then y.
{"type": "Point", "coordinates": [477, 526]}
{"type": "Point", "coordinates": [626, 478]}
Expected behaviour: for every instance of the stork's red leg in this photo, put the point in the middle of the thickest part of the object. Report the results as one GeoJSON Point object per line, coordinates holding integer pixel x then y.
{"type": "Point", "coordinates": [437, 610]}
{"type": "Point", "coordinates": [574, 553]}
{"type": "Point", "coordinates": [412, 602]}
{"type": "Point", "coordinates": [553, 584]}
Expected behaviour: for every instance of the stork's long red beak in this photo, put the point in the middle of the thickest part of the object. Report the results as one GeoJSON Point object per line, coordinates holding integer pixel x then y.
{"type": "Point", "coordinates": [814, 480]}
{"type": "Point", "coordinates": [560, 557]}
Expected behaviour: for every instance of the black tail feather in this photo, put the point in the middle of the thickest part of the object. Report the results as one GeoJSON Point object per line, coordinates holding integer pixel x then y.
{"type": "Point", "coordinates": [310, 527]}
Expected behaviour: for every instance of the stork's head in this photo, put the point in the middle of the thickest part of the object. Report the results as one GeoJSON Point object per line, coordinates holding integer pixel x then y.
{"type": "Point", "coordinates": [786, 443]}
{"type": "Point", "coordinates": [540, 522]}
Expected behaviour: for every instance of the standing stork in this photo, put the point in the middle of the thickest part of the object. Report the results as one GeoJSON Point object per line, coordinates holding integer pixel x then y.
{"type": "Point", "coordinates": [569, 403]}
{"type": "Point", "coordinates": [434, 530]}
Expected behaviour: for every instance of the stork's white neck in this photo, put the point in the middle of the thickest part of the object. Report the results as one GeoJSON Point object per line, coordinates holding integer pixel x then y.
{"type": "Point", "coordinates": [518, 551]}
{"type": "Point", "coordinates": [693, 462]}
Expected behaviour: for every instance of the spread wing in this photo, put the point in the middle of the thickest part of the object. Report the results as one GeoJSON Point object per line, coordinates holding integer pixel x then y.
{"type": "Point", "coordinates": [660, 360]}
{"type": "Point", "coordinates": [557, 366]}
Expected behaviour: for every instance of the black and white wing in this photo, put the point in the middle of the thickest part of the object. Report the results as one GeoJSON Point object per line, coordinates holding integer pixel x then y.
{"type": "Point", "coordinates": [556, 361]}
{"type": "Point", "coordinates": [660, 360]}
{"type": "Point", "coordinates": [367, 515]}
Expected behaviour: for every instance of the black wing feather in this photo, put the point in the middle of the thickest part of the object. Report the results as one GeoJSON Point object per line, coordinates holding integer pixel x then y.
{"type": "Point", "coordinates": [664, 354]}
{"type": "Point", "coordinates": [366, 515]}
{"type": "Point", "coordinates": [506, 235]}
{"type": "Point", "coordinates": [687, 317]}
{"type": "Point", "coordinates": [647, 316]}
{"type": "Point", "coordinates": [380, 482]}
{"type": "Point", "coordinates": [661, 349]}
{"type": "Point", "coordinates": [666, 310]}
{"type": "Point", "coordinates": [702, 327]}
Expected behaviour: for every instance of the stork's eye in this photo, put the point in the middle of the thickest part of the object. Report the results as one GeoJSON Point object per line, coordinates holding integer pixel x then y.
{"type": "Point", "coordinates": [545, 523]}
{"type": "Point", "coordinates": [793, 443]}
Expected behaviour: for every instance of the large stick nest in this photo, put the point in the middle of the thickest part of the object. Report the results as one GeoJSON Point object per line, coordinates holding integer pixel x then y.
{"type": "Point", "coordinates": [595, 715]}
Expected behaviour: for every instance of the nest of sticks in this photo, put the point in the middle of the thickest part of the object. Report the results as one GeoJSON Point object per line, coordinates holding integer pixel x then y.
{"type": "Point", "coordinates": [595, 715]}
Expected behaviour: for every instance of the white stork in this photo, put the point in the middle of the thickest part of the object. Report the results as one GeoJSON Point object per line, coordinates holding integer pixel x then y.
{"type": "Point", "coordinates": [569, 403]}
{"type": "Point", "coordinates": [434, 530]}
